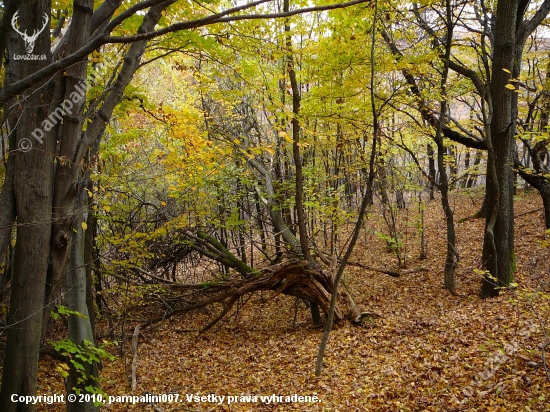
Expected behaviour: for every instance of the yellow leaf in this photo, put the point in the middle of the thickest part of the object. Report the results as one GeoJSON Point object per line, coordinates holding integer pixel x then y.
{"type": "Point", "coordinates": [506, 70]}
{"type": "Point", "coordinates": [107, 208]}
{"type": "Point", "coordinates": [285, 136]}
{"type": "Point", "coordinates": [84, 225]}
{"type": "Point", "coordinates": [510, 86]}
{"type": "Point", "coordinates": [163, 203]}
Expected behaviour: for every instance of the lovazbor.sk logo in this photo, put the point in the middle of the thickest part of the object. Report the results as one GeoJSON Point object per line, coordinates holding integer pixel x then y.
{"type": "Point", "coordinates": [29, 39]}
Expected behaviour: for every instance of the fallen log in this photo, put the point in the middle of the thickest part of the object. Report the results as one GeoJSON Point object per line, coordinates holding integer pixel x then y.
{"type": "Point", "coordinates": [294, 278]}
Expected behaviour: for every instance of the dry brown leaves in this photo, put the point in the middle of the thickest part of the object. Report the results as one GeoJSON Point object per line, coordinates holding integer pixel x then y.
{"type": "Point", "coordinates": [427, 349]}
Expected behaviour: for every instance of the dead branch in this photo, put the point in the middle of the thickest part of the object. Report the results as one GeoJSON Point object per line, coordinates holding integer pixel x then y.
{"type": "Point", "coordinates": [135, 357]}
{"type": "Point", "coordinates": [385, 271]}
{"type": "Point", "coordinates": [389, 272]}
{"type": "Point", "coordinates": [529, 212]}
{"type": "Point", "coordinates": [226, 309]}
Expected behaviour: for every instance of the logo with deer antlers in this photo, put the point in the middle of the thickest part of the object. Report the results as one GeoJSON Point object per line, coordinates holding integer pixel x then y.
{"type": "Point", "coordinates": [29, 40]}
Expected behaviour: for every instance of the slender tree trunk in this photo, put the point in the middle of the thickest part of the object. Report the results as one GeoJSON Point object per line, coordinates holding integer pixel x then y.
{"type": "Point", "coordinates": [451, 259]}
{"type": "Point", "coordinates": [367, 200]}
{"type": "Point", "coordinates": [382, 181]}
{"type": "Point", "coordinates": [451, 161]}
{"type": "Point", "coordinates": [89, 246]}
{"type": "Point", "coordinates": [91, 254]}
{"type": "Point", "coordinates": [467, 177]}
{"type": "Point", "coordinates": [300, 212]}
{"type": "Point", "coordinates": [472, 178]}
{"type": "Point", "coordinates": [80, 328]}
{"type": "Point", "coordinates": [431, 171]}
{"type": "Point", "coordinates": [260, 223]}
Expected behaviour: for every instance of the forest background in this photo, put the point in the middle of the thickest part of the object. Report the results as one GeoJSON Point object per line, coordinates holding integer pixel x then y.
{"type": "Point", "coordinates": [186, 183]}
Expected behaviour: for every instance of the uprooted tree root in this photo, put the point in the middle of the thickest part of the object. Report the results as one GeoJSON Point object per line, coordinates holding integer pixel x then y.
{"type": "Point", "coordinates": [292, 278]}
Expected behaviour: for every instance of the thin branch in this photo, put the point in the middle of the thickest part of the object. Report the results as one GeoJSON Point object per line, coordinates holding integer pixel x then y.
{"type": "Point", "coordinates": [16, 88]}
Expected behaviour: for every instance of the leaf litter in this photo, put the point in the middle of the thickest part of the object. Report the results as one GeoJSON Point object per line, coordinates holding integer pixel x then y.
{"type": "Point", "coordinates": [429, 350]}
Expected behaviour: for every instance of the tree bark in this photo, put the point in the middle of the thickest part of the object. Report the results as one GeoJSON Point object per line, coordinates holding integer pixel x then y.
{"type": "Point", "coordinates": [39, 251]}
{"type": "Point", "coordinates": [451, 259]}
{"type": "Point", "coordinates": [299, 184]}
{"type": "Point", "coordinates": [32, 183]}
{"type": "Point", "coordinates": [431, 171]}
{"type": "Point", "coordinates": [7, 200]}
{"type": "Point", "coordinates": [498, 245]}
{"type": "Point", "coordinates": [66, 189]}
{"type": "Point", "coordinates": [80, 328]}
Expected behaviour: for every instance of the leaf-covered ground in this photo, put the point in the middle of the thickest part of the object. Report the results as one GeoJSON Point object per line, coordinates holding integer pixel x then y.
{"type": "Point", "coordinates": [429, 351]}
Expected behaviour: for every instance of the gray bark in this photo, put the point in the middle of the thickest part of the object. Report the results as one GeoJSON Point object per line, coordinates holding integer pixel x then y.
{"type": "Point", "coordinates": [274, 209]}
{"type": "Point", "coordinates": [80, 328]}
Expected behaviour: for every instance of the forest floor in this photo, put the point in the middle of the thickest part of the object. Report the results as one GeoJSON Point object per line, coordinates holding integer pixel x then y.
{"type": "Point", "coordinates": [428, 350]}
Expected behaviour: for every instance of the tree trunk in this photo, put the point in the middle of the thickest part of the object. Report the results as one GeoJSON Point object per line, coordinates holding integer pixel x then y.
{"type": "Point", "coordinates": [498, 245]}
{"type": "Point", "coordinates": [7, 200]}
{"type": "Point", "coordinates": [89, 246]}
{"type": "Point", "coordinates": [299, 186]}
{"type": "Point", "coordinates": [32, 183]}
{"type": "Point", "coordinates": [451, 259]}
{"type": "Point", "coordinates": [472, 178]}
{"type": "Point", "coordinates": [452, 163]}
{"type": "Point", "coordinates": [66, 172]}
{"type": "Point", "coordinates": [431, 171]}
{"type": "Point", "coordinates": [467, 177]}
{"type": "Point", "coordinates": [80, 328]}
